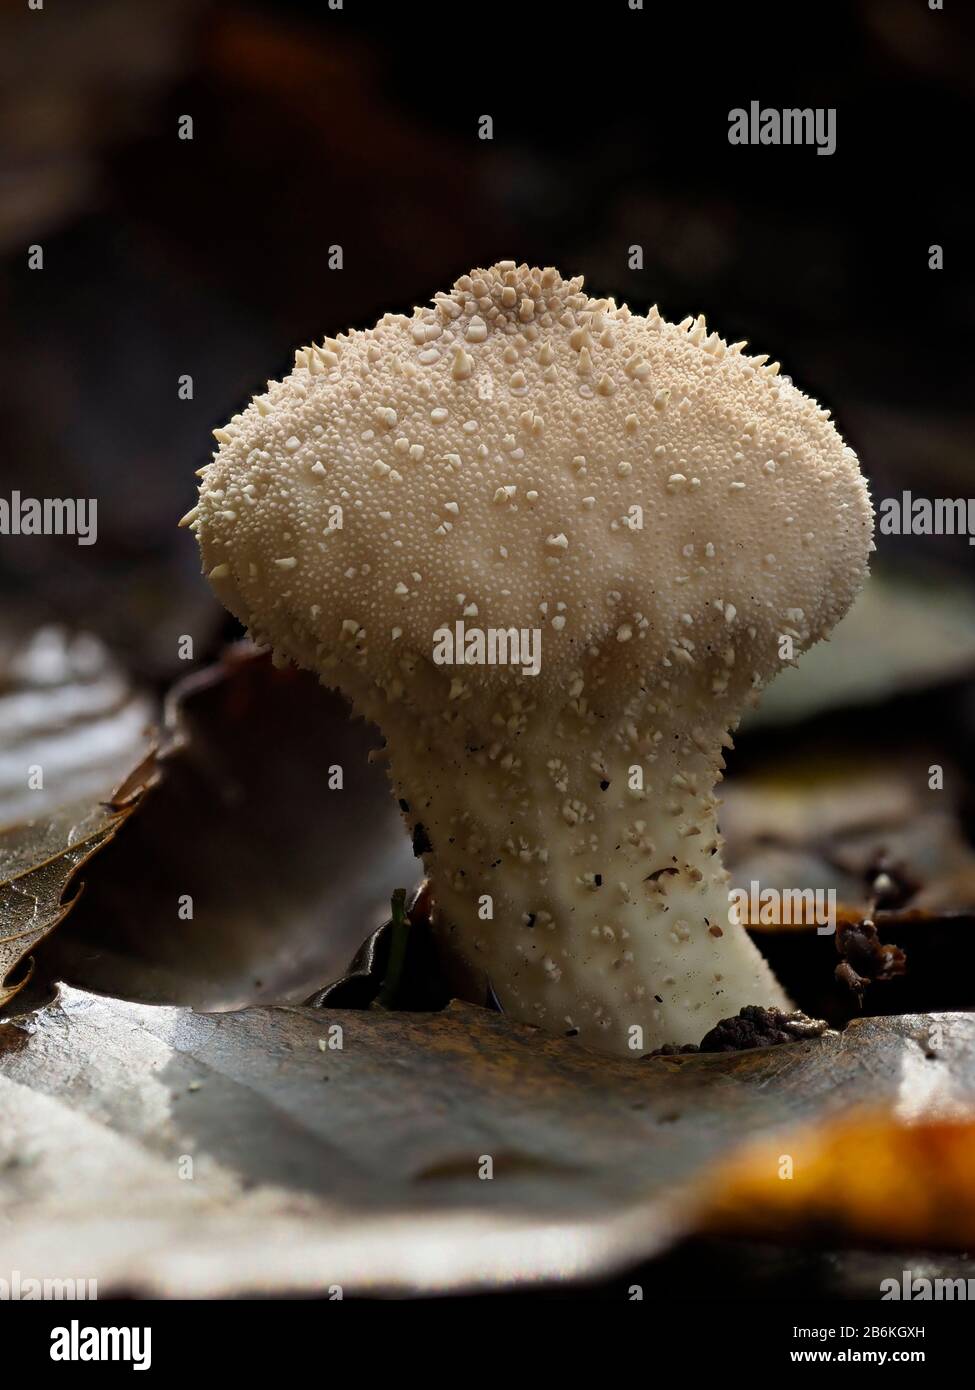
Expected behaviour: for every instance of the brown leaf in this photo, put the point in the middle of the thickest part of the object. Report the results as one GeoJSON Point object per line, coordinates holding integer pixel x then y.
{"type": "Point", "coordinates": [866, 1179]}
{"type": "Point", "coordinates": [246, 877]}
{"type": "Point", "coordinates": [37, 863]}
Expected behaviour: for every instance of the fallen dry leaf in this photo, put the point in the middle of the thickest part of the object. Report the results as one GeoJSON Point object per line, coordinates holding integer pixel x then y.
{"type": "Point", "coordinates": [246, 1153]}
{"type": "Point", "coordinates": [38, 862]}
{"type": "Point", "coordinates": [70, 729]}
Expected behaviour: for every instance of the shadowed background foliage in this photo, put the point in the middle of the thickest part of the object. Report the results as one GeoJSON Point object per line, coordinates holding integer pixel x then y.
{"type": "Point", "coordinates": [358, 127]}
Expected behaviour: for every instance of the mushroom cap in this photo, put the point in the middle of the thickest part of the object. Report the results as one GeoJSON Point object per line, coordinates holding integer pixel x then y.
{"type": "Point", "coordinates": [521, 455]}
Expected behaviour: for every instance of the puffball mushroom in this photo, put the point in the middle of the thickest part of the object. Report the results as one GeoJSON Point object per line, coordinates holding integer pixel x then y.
{"type": "Point", "coordinates": [669, 518]}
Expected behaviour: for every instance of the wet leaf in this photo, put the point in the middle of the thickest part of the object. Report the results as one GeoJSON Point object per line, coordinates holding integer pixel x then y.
{"type": "Point", "coordinates": [248, 1152]}
{"type": "Point", "coordinates": [70, 729]}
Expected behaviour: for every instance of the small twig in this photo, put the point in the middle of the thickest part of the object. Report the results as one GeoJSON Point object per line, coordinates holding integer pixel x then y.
{"type": "Point", "coordinates": [399, 936]}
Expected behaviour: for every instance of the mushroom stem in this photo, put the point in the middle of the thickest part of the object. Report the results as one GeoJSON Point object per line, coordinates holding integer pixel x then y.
{"type": "Point", "coordinates": [575, 860]}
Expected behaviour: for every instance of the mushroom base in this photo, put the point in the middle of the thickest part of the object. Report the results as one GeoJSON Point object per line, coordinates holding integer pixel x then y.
{"type": "Point", "coordinates": [586, 886]}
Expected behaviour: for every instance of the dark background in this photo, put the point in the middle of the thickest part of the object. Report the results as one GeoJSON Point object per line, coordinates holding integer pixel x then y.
{"type": "Point", "coordinates": [359, 127]}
